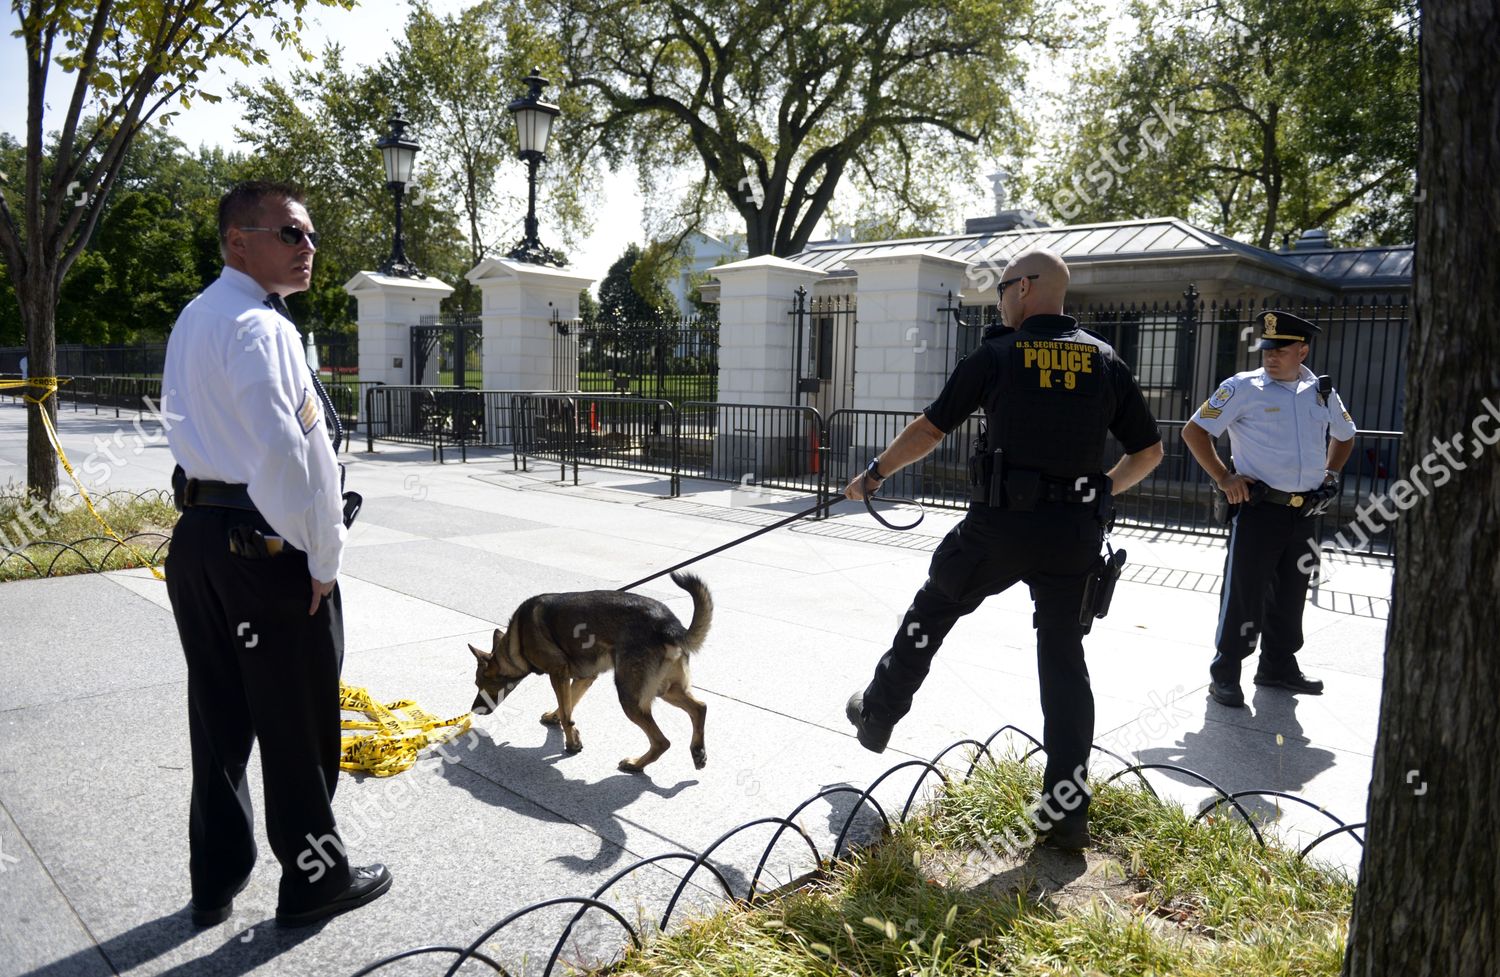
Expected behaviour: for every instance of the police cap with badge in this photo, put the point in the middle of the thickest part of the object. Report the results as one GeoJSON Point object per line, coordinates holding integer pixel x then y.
{"type": "Point", "coordinates": [1278, 329]}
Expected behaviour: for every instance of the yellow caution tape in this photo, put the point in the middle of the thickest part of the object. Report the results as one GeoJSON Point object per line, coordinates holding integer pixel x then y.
{"type": "Point", "coordinates": [392, 742]}
{"type": "Point", "coordinates": [49, 384]}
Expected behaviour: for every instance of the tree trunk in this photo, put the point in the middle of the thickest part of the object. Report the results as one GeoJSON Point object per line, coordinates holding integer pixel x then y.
{"type": "Point", "coordinates": [1429, 892]}
{"type": "Point", "coordinates": [39, 318]}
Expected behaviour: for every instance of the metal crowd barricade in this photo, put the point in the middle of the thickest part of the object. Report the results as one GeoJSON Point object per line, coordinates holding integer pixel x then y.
{"type": "Point", "coordinates": [600, 430]}
{"type": "Point", "coordinates": [753, 445]}
{"type": "Point", "coordinates": [406, 415]}
{"type": "Point", "coordinates": [941, 479]}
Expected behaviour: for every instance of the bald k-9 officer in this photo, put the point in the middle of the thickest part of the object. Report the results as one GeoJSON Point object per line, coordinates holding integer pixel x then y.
{"type": "Point", "coordinates": [1285, 464]}
{"type": "Point", "coordinates": [1051, 393]}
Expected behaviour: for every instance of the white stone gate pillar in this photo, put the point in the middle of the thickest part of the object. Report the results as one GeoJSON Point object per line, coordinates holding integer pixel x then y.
{"type": "Point", "coordinates": [388, 308]}
{"type": "Point", "coordinates": [521, 345]}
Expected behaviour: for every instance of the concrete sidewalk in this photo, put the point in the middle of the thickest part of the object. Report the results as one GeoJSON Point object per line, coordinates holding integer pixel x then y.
{"type": "Point", "coordinates": [94, 760]}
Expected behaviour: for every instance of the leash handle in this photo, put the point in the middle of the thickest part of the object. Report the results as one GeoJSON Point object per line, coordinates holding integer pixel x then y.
{"type": "Point", "coordinates": [921, 512]}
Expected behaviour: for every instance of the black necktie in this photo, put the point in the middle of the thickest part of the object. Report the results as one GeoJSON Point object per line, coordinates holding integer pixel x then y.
{"type": "Point", "coordinates": [335, 429]}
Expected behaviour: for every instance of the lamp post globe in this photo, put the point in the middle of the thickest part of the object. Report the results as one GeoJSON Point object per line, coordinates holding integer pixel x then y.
{"type": "Point", "coordinates": [400, 153]}
{"type": "Point", "coordinates": [534, 119]}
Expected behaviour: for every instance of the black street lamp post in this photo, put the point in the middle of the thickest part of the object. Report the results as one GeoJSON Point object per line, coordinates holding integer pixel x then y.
{"type": "Point", "coordinates": [399, 152]}
{"type": "Point", "coordinates": [534, 126]}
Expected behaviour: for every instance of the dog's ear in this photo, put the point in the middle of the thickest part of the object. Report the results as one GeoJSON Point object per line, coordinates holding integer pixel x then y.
{"type": "Point", "coordinates": [499, 642]}
{"type": "Point", "coordinates": [483, 656]}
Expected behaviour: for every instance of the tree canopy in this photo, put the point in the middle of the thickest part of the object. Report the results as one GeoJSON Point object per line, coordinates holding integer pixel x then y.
{"type": "Point", "coordinates": [778, 102]}
{"type": "Point", "coordinates": [634, 291]}
{"type": "Point", "coordinates": [1288, 117]}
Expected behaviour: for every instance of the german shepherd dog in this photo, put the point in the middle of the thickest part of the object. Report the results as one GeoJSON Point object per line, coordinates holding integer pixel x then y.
{"type": "Point", "coordinates": [573, 638]}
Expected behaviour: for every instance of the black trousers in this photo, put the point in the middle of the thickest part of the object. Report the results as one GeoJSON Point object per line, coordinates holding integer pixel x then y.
{"type": "Point", "coordinates": [1052, 550]}
{"type": "Point", "coordinates": [1272, 554]}
{"type": "Point", "coordinates": [259, 668]}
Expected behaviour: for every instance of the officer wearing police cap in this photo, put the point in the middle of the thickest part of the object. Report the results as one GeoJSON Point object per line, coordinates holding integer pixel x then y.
{"type": "Point", "coordinates": [1289, 438]}
{"type": "Point", "coordinates": [1050, 394]}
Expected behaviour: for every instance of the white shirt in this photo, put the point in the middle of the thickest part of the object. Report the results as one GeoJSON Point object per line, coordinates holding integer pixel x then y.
{"type": "Point", "coordinates": [1277, 429]}
{"type": "Point", "coordinates": [237, 375]}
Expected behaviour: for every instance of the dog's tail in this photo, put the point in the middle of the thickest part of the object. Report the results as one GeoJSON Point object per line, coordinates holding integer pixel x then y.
{"type": "Point", "coordinates": [703, 610]}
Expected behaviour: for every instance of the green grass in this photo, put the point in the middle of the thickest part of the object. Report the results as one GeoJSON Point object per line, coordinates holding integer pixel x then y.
{"type": "Point", "coordinates": [1165, 896]}
{"type": "Point", "coordinates": [70, 522]}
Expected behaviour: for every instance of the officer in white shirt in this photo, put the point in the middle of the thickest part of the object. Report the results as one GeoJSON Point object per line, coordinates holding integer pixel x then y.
{"type": "Point", "coordinates": [253, 567]}
{"type": "Point", "coordinates": [1285, 463]}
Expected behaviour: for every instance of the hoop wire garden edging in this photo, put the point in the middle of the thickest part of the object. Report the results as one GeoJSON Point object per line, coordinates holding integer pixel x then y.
{"type": "Point", "coordinates": [19, 553]}
{"type": "Point", "coordinates": [865, 800]}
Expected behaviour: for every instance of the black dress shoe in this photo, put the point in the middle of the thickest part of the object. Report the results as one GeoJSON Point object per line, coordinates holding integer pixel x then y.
{"type": "Point", "coordinates": [205, 916]}
{"type": "Point", "coordinates": [366, 884]}
{"type": "Point", "coordinates": [1226, 693]}
{"type": "Point", "coordinates": [1295, 681]}
{"type": "Point", "coordinates": [873, 735]}
{"type": "Point", "coordinates": [1069, 834]}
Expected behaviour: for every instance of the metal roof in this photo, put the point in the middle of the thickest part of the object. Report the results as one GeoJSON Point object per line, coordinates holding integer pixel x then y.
{"type": "Point", "coordinates": [1152, 238]}
{"type": "Point", "coordinates": [1358, 266]}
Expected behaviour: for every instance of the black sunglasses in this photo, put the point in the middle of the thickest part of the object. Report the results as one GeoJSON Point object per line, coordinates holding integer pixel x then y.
{"type": "Point", "coordinates": [290, 235]}
{"type": "Point", "coordinates": [999, 289]}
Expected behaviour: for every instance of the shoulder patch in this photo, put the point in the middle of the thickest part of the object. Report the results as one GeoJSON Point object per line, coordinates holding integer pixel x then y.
{"type": "Point", "coordinates": [1209, 411]}
{"type": "Point", "coordinates": [309, 412]}
{"type": "Point", "coordinates": [1220, 397]}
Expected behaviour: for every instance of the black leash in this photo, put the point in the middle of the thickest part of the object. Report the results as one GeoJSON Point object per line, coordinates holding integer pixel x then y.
{"type": "Point", "coordinates": [921, 514]}
{"type": "Point", "coordinates": [832, 500]}
{"type": "Point", "coordinates": [743, 539]}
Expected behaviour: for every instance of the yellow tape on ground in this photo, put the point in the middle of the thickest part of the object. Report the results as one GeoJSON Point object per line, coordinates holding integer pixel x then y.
{"type": "Point", "coordinates": [50, 385]}
{"type": "Point", "coordinates": [392, 743]}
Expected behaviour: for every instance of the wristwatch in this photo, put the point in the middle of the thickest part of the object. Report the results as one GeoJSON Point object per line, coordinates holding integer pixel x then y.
{"type": "Point", "coordinates": [874, 470]}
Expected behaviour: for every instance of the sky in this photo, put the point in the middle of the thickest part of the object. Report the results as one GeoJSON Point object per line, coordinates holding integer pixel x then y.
{"type": "Point", "coordinates": [367, 33]}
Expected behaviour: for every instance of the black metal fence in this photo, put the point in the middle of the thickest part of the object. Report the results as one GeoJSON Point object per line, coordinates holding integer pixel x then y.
{"type": "Point", "coordinates": [447, 350]}
{"type": "Point", "coordinates": [113, 361]}
{"type": "Point", "coordinates": [823, 367]}
{"type": "Point", "coordinates": [338, 359]}
{"type": "Point", "coordinates": [1181, 351]}
{"type": "Point", "coordinates": [105, 393]}
{"type": "Point", "coordinates": [674, 360]}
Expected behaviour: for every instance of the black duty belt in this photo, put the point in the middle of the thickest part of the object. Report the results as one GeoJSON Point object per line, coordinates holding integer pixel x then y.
{"type": "Point", "coordinates": [1294, 499]}
{"type": "Point", "coordinates": [190, 492]}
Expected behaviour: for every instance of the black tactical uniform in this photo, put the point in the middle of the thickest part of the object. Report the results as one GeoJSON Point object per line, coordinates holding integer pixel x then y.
{"type": "Point", "coordinates": [1050, 393]}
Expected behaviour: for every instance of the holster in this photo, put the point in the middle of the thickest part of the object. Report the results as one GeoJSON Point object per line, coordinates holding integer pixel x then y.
{"type": "Point", "coordinates": [1321, 499]}
{"type": "Point", "coordinates": [1099, 587]}
{"type": "Point", "coordinates": [985, 469]}
{"type": "Point", "coordinates": [352, 503]}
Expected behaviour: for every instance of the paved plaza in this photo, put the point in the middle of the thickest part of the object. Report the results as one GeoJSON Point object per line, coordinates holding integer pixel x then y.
{"type": "Point", "coordinates": [94, 768]}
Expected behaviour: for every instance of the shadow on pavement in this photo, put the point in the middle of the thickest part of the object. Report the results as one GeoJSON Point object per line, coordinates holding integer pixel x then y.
{"type": "Point", "coordinates": [530, 775]}
{"type": "Point", "coordinates": [1262, 748]}
{"type": "Point", "coordinates": [248, 948]}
